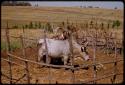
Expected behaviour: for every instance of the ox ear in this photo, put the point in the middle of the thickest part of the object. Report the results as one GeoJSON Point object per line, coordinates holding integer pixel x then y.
{"type": "Point", "coordinates": [86, 43]}
{"type": "Point", "coordinates": [81, 49]}
{"type": "Point", "coordinates": [39, 44]}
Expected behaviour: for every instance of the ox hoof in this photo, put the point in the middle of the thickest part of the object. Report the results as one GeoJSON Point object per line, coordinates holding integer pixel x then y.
{"type": "Point", "coordinates": [40, 66]}
{"type": "Point", "coordinates": [86, 68]}
{"type": "Point", "coordinates": [66, 68]}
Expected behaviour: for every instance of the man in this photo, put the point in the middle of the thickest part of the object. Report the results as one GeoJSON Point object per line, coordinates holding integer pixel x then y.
{"type": "Point", "coordinates": [60, 34]}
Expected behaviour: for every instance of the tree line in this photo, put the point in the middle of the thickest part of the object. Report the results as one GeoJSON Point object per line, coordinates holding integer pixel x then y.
{"type": "Point", "coordinates": [15, 3]}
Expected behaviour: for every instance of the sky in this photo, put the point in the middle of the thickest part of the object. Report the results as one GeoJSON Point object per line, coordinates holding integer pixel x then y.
{"type": "Point", "coordinates": [101, 4]}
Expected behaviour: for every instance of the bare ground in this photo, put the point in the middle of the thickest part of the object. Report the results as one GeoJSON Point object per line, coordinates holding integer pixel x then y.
{"type": "Point", "coordinates": [40, 75]}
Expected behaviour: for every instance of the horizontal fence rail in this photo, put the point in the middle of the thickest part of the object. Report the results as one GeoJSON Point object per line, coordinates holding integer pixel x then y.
{"type": "Point", "coordinates": [97, 42]}
{"type": "Point", "coordinates": [13, 62]}
{"type": "Point", "coordinates": [62, 66]}
{"type": "Point", "coordinates": [70, 67]}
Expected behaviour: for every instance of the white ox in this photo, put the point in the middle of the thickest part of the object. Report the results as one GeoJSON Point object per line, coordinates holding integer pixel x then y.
{"type": "Point", "coordinates": [59, 48]}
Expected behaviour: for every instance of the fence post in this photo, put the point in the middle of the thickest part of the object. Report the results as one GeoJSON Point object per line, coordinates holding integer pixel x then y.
{"type": "Point", "coordinates": [47, 57]}
{"type": "Point", "coordinates": [47, 61]}
{"type": "Point", "coordinates": [26, 63]}
{"type": "Point", "coordinates": [115, 63]}
{"type": "Point", "coordinates": [94, 58]}
{"type": "Point", "coordinates": [72, 58]}
{"type": "Point", "coordinates": [8, 50]}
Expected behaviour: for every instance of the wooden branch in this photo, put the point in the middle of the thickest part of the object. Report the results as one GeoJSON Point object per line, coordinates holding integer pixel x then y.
{"type": "Point", "coordinates": [62, 66]}
{"type": "Point", "coordinates": [26, 63]}
{"type": "Point", "coordinates": [8, 77]}
{"type": "Point", "coordinates": [19, 79]}
{"type": "Point", "coordinates": [23, 37]}
{"type": "Point", "coordinates": [72, 58]}
{"type": "Point", "coordinates": [49, 65]}
{"type": "Point", "coordinates": [94, 64]}
{"type": "Point", "coordinates": [94, 58]}
{"type": "Point", "coordinates": [105, 76]}
{"type": "Point", "coordinates": [16, 80]}
{"type": "Point", "coordinates": [13, 62]}
{"type": "Point", "coordinates": [115, 65]}
{"type": "Point", "coordinates": [47, 57]}
{"type": "Point", "coordinates": [8, 50]}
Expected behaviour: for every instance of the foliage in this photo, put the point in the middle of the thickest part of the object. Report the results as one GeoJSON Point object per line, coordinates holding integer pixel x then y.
{"type": "Point", "coordinates": [48, 27]}
{"type": "Point", "coordinates": [36, 25]}
{"type": "Point", "coordinates": [3, 45]}
{"type": "Point", "coordinates": [39, 25]}
{"type": "Point", "coordinates": [116, 24]}
{"type": "Point", "coordinates": [86, 25]}
{"type": "Point", "coordinates": [31, 25]}
{"type": "Point", "coordinates": [15, 27]}
{"type": "Point", "coordinates": [13, 45]}
{"type": "Point", "coordinates": [26, 26]}
{"type": "Point", "coordinates": [102, 25]}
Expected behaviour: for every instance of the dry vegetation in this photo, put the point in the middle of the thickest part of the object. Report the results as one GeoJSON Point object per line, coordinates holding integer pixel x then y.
{"type": "Point", "coordinates": [23, 15]}
{"type": "Point", "coordinates": [57, 14]}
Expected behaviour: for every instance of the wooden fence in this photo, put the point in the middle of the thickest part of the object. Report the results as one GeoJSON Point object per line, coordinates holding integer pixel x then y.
{"type": "Point", "coordinates": [72, 67]}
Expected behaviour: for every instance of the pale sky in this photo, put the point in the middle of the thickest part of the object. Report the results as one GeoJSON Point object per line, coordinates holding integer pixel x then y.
{"type": "Point", "coordinates": [101, 4]}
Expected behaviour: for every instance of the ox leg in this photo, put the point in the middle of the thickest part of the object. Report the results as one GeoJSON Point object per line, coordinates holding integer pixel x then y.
{"type": "Point", "coordinates": [48, 60]}
{"type": "Point", "coordinates": [65, 60]}
{"type": "Point", "coordinates": [40, 59]}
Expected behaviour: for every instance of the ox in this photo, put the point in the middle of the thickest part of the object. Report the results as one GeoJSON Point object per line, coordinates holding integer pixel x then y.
{"type": "Point", "coordinates": [59, 48]}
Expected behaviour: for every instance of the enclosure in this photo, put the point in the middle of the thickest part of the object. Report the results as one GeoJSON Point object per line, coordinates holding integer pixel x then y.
{"type": "Point", "coordinates": [19, 52]}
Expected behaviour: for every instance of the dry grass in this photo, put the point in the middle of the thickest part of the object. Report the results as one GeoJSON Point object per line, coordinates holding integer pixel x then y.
{"type": "Point", "coordinates": [22, 15]}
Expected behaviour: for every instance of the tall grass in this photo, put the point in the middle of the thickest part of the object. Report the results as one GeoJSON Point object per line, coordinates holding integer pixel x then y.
{"type": "Point", "coordinates": [13, 45]}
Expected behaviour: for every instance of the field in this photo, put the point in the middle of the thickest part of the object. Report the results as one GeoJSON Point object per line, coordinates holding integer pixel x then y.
{"type": "Point", "coordinates": [56, 15]}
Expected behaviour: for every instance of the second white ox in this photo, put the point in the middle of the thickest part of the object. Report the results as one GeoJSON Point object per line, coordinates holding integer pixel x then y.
{"type": "Point", "coordinates": [59, 48]}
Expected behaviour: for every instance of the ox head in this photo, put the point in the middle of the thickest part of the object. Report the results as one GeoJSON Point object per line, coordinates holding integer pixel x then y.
{"type": "Point", "coordinates": [40, 42]}
{"type": "Point", "coordinates": [85, 52]}
{"type": "Point", "coordinates": [66, 34]}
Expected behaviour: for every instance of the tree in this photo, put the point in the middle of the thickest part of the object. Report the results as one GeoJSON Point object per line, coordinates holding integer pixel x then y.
{"type": "Point", "coordinates": [36, 25]}
{"type": "Point", "coordinates": [23, 26]}
{"type": "Point", "coordinates": [15, 26]}
{"type": "Point", "coordinates": [108, 25]}
{"type": "Point", "coordinates": [48, 27]}
{"type": "Point", "coordinates": [113, 25]}
{"type": "Point", "coordinates": [91, 24]}
{"type": "Point", "coordinates": [63, 23]}
{"type": "Point", "coordinates": [39, 26]}
{"type": "Point", "coordinates": [102, 25]}
{"type": "Point", "coordinates": [115, 8]}
{"type": "Point", "coordinates": [31, 25]}
{"type": "Point", "coordinates": [116, 23]}
{"type": "Point", "coordinates": [15, 3]}
{"type": "Point", "coordinates": [26, 26]}
{"type": "Point", "coordinates": [86, 25]}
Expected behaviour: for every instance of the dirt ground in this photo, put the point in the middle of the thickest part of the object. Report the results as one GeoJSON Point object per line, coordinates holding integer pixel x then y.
{"type": "Point", "coordinates": [40, 75]}
{"type": "Point", "coordinates": [57, 15]}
